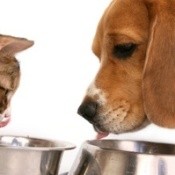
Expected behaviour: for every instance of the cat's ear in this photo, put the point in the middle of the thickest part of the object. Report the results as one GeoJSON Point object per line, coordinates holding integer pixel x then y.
{"type": "Point", "coordinates": [10, 45]}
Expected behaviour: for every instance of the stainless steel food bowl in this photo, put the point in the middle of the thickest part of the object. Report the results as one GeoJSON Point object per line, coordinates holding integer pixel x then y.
{"type": "Point", "coordinates": [30, 156]}
{"type": "Point", "coordinates": [114, 157]}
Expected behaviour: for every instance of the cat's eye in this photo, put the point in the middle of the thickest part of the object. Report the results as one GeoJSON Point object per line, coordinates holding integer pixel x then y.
{"type": "Point", "coordinates": [124, 51]}
{"type": "Point", "coordinates": [4, 91]}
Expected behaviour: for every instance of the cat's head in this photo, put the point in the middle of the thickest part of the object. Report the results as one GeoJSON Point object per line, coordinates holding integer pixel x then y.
{"type": "Point", "coordinates": [9, 72]}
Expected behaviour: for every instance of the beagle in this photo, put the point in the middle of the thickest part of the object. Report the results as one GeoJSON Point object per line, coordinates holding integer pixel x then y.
{"type": "Point", "coordinates": [135, 44]}
{"type": "Point", "coordinates": [9, 72]}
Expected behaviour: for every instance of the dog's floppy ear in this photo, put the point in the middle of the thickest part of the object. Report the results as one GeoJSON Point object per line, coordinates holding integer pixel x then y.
{"type": "Point", "coordinates": [11, 45]}
{"type": "Point", "coordinates": [159, 70]}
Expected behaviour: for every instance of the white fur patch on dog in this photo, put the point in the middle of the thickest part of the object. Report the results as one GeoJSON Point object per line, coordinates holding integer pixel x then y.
{"type": "Point", "coordinates": [96, 94]}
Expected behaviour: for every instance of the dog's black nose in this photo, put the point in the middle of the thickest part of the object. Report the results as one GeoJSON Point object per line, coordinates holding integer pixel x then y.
{"type": "Point", "coordinates": [88, 110]}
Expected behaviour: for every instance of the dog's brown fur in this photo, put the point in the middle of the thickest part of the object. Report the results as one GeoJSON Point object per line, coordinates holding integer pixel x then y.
{"type": "Point", "coordinates": [128, 90]}
{"type": "Point", "coordinates": [9, 70]}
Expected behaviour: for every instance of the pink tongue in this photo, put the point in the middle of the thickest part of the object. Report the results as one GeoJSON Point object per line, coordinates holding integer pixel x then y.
{"type": "Point", "coordinates": [4, 123]}
{"type": "Point", "coordinates": [101, 135]}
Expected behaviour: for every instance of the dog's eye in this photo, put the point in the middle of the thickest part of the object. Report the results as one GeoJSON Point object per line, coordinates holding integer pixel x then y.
{"type": "Point", "coordinates": [123, 51]}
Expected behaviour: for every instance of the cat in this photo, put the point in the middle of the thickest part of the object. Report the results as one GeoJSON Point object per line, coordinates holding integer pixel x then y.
{"type": "Point", "coordinates": [9, 72]}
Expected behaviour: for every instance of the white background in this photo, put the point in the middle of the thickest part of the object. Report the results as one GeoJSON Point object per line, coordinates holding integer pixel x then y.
{"type": "Point", "coordinates": [57, 70]}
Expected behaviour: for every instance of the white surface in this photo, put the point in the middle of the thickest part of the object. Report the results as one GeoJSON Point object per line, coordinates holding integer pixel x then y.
{"type": "Point", "coordinates": [57, 71]}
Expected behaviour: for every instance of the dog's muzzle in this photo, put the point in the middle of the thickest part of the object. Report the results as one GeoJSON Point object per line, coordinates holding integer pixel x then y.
{"type": "Point", "coordinates": [89, 111]}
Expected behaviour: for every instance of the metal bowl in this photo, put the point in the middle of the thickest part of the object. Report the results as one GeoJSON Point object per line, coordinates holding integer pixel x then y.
{"type": "Point", "coordinates": [30, 156]}
{"type": "Point", "coordinates": [114, 157]}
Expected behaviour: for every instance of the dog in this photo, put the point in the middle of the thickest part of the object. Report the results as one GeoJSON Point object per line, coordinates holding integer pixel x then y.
{"type": "Point", "coordinates": [9, 72]}
{"type": "Point", "coordinates": [135, 44]}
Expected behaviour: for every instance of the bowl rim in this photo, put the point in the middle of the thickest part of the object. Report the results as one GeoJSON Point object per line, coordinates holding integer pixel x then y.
{"type": "Point", "coordinates": [60, 145]}
{"type": "Point", "coordinates": [91, 143]}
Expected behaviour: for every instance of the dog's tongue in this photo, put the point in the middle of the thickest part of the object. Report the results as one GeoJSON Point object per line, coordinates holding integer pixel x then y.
{"type": "Point", "coordinates": [101, 135]}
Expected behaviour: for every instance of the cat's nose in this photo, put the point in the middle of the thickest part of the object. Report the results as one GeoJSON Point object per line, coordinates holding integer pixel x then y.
{"type": "Point", "coordinates": [5, 117]}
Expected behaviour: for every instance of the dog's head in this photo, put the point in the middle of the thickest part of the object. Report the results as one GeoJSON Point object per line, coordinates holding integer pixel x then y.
{"type": "Point", "coordinates": [135, 44]}
{"type": "Point", "coordinates": [9, 72]}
